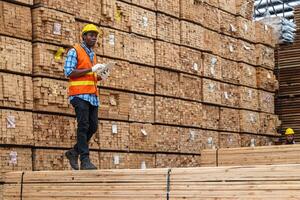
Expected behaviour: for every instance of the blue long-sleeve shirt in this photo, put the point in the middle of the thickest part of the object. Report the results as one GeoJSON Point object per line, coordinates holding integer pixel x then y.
{"type": "Point", "coordinates": [71, 64]}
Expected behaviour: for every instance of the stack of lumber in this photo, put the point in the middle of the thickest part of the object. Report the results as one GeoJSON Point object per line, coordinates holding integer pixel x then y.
{"type": "Point", "coordinates": [287, 71]}
{"type": "Point", "coordinates": [254, 182]}
{"type": "Point", "coordinates": [190, 75]}
{"type": "Point", "coordinates": [264, 155]}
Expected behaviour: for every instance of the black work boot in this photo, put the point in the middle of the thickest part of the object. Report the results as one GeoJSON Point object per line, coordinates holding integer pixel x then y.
{"type": "Point", "coordinates": [86, 164]}
{"type": "Point", "coordinates": [72, 156]}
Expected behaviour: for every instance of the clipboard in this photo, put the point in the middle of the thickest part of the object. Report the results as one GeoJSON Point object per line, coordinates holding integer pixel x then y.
{"type": "Point", "coordinates": [108, 66]}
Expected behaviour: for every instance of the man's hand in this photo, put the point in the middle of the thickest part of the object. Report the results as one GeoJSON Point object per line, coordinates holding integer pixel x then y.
{"type": "Point", "coordinates": [97, 67]}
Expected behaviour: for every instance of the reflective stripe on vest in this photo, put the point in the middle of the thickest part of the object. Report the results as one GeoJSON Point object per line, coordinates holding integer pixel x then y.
{"type": "Point", "coordinates": [77, 83]}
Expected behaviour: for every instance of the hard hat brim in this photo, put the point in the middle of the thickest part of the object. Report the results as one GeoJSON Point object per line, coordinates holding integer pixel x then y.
{"type": "Point", "coordinates": [83, 33]}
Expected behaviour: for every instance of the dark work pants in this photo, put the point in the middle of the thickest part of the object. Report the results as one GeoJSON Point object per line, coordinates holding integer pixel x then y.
{"type": "Point", "coordinates": [87, 124]}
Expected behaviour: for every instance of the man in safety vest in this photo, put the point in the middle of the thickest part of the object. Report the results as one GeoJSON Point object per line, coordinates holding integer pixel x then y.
{"type": "Point", "coordinates": [289, 136]}
{"type": "Point", "coordinates": [83, 72]}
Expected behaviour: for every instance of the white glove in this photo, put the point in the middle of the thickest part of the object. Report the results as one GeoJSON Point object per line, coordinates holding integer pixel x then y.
{"type": "Point", "coordinates": [97, 67]}
{"type": "Point", "coordinates": [104, 75]}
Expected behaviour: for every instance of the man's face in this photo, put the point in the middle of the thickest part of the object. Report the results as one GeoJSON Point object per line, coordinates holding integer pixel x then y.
{"type": "Point", "coordinates": [290, 138]}
{"type": "Point", "coordinates": [90, 38]}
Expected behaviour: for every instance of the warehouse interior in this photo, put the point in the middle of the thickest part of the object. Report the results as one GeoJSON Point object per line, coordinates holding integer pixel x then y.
{"type": "Point", "coordinates": [202, 99]}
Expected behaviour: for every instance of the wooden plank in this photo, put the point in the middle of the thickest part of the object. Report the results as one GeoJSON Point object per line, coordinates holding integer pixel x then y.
{"type": "Point", "coordinates": [53, 26]}
{"type": "Point", "coordinates": [260, 155]}
{"type": "Point", "coordinates": [15, 20]}
{"type": "Point", "coordinates": [15, 159]}
{"type": "Point", "coordinates": [224, 183]}
{"type": "Point", "coordinates": [16, 91]}
{"type": "Point", "coordinates": [15, 55]}
{"type": "Point", "coordinates": [16, 127]}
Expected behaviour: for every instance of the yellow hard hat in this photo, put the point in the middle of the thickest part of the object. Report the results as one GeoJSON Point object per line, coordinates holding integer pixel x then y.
{"type": "Point", "coordinates": [88, 28]}
{"type": "Point", "coordinates": [289, 131]}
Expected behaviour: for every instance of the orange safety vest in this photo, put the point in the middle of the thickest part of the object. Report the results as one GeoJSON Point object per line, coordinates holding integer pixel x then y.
{"type": "Point", "coordinates": [86, 84]}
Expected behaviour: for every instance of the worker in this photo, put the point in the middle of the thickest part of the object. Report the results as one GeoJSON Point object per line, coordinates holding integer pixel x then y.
{"type": "Point", "coordinates": [289, 136]}
{"type": "Point", "coordinates": [83, 72]}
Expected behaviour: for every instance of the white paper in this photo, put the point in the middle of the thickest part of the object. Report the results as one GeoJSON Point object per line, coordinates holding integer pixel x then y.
{"type": "Point", "coordinates": [116, 160]}
{"type": "Point", "coordinates": [210, 142]}
{"type": "Point", "coordinates": [143, 165]}
{"type": "Point", "coordinates": [268, 99]}
{"type": "Point", "coordinates": [144, 132]}
{"type": "Point", "coordinates": [232, 28]}
{"type": "Point", "coordinates": [246, 27]}
{"type": "Point", "coordinates": [145, 21]}
{"type": "Point", "coordinates": [114, 129]}
{"type": "Point", "coordinates": [266, 27]}
{"type": "Point", "coordinates": [214, 61]}
{"type": "Point", "coordinates": [11, 121]}
{"type": "Point", "coordinates": [250, 93]}
{"type": "Point", "coordinates": [192, 135]}
{"type": "Point", "coordinates": [247, 47]}
{"type": "Point", "coordinates": [212, 69]}
{"type": "Point", "coordinates": [107, 67]}
{"type": "Point", "coordinates": [211, 87]}
{"type": "Point", "coordinates": [195, 67]}
{"type": "Point", "coordinates": [249, 71]}
{"type": "Point", "coordinates": [57, 28]}
{"type": "Point", "coordinates": [13, 155]}
{"type": "Point", "coordinates": [231, 48]}
{"type": "Point", "coordinates": [111, 39]}
{"type": "Point", "coordinates": [112, 101]}
{"type": "Point", "coordinates": [230, 140]}
{"type": "Point", "coordinates": [226, 95]}
{"type": "Point", "coordinates": [252, 143]}
{"type": "Point", "coordinates": [252, 118]}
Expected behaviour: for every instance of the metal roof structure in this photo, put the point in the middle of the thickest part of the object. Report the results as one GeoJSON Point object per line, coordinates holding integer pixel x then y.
{"type": "Point", "coordinates": [275, 8]}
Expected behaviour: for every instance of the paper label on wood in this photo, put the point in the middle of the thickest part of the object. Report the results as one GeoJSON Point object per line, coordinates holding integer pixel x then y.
{"type": "Point", "coordinates": [111, 39]}
{"type": "Point", "coordinates": [114, 129]}
{"type": "Point", "coordinates": [145, 21]}
{"type": "Point", "coordinates": [57, 28]}
{"type": "Point", "coordinates": [249, 94]}
{"type": "Point", "coordinates": [116, 159]}
{"type": "Point", "coordinates": [226, 95]}
{"type": "Point", "coordinates": [266, 27]}
{"type": "Point", "coordinates": [252, 142]}
{"type": "Point", "coordinates": [231, 48]}
{"type": "Point", "coordinates": [249, 71]}
{"type": "Point", "coordinates": [144, 132]}
{"type": "Point", "coordinates": [213, 61]}
{"type": "Point", "coordinates": [11, 122]}
{"type": "Point", "coordinates": [112, 101]}
{"type": "Point", "coordinates": [192, 135]}
{"type": "Point", "coordinates": [247, 47]}
{"type": "Point", "coordinates": [230, 140]}
{"type": "Point", "coordinates": [252, 118]}
{"type": "Point", "coordinates": [268, 98]}
{"type": "Point", "coordinates": [246, 27]}
{"type": "Point", "coordinates": [13, 155]}
{"type": "Point", "coordinates": [232, 28]}
{"type": "Point", "coordinates": [195, 67]}
{"type": "Point", "coordinates": [211, 87]}
{"type": "Point", "coordinates": [143, 165]}
{"type": "Point", "coordinates": [210, 143]}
